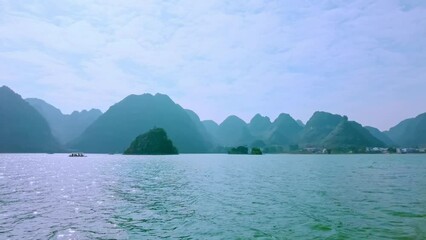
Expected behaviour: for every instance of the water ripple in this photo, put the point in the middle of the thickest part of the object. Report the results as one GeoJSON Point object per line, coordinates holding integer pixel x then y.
{"type": "Point", "coordinates": [212, 196]}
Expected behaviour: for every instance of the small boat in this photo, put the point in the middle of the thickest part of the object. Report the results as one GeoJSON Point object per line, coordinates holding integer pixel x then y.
{"type": "Point", "coordinates": [77, 155]}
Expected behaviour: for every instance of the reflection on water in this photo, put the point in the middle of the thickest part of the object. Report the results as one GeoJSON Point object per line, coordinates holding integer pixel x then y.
{"type": "Point", "coordinates": [212, 196]}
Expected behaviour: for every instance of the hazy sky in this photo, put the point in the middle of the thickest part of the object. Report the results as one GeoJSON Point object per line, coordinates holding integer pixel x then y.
{"type": "Point", "coordinates": [365, 59]}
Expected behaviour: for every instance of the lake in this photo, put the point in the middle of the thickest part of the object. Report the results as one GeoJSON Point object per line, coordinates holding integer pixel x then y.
{"type": "Point", "coordinates": [53, 196]}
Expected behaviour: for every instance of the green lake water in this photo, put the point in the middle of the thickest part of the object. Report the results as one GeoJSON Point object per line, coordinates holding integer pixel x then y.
{"type": "Point", "coordinates": [52, 196]}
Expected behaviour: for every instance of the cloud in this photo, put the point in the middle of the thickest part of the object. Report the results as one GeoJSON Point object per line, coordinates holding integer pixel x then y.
{"type": "Point", "coordinates": [359, 58]}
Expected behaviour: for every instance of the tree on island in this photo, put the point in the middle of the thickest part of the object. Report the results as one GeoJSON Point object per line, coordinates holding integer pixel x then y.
{"type": "Point", "coordinates": [153, 142]}
{"type": "Point", "coordinates": [238, 150]}
{"type": "Point", "coordinates": [256, 151]}
{"type": "Point", "coordinates": [245, 150]}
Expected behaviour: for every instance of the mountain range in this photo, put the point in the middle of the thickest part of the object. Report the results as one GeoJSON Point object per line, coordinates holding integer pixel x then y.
{"type": "Point", "coordinates": [65, 127]}
{"type": "Point", "coordinates": [410, 132]}
{"type": "Point", "coordinates": [136, 114]}
{"type": "Point", "coordinates": [32, 125]}
{"type": "Point", "coordinates": [23, 128]}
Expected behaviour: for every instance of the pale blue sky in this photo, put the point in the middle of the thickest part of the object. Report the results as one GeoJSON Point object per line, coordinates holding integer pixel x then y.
{"type": "Point", "coordinates": [364, 59]}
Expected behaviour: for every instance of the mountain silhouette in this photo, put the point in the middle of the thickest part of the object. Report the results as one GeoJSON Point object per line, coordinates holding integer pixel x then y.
{"type": "Point", "coordinates": [22, 128]}
{"type": "Point", "coordinates": [285, 130]}
{"type": "Point", "coordinates": [380, 135]}
{"type": "Point", "coordinates": [65, 127]}
{"type": "Point", "coordinates": [233, 131]}
{"type": "Point", "coordinates": [318, 127]}
{"type": "Point", "coordinates": [350, 134]}
{"type": "Point", "coordinates": [410, 132]}
{"type": "Point", "coordinates": [123, 122]}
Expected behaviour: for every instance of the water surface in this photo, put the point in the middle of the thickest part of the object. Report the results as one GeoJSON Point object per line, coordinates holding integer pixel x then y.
{"type": "Point", "coordinates": [212, 197]}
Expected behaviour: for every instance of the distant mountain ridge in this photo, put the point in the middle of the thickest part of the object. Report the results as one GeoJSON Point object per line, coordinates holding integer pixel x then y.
{"type": "Point", "coordinates": [410, 132]}
{"type": "Point", "coordinates": [259, 126]}
{"type": "Point", "coordinates": [65, 127]}
{"type": "Point", "coordinates": [380, 135]}
{"type": "Point", "coordinates": [233, 131]}
{"type": "Point", "coordinates": [285, 130]}
{"type": "Point", "coordinates": [32, 125]}
{"type": "Point", "coordinates": [322, 130]}
{"type": "Point", "coordinates": [22, 128]}
{"type": "Point", "coordinates": [350, 134]}
{"type": "Point", "coordinates": [116, 128]}
{"type": "Point", "coordinates": [318, 127]}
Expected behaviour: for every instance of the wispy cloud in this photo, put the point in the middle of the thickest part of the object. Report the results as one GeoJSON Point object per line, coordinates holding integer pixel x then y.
{"type": "Point", "coordinates": [366, 59]}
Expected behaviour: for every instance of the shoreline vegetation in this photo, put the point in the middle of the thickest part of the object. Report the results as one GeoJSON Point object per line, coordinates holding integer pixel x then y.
{"type": "Point", "coordinates": [367, 150]}
{"type": "Point", "coordinates": [34, 126]}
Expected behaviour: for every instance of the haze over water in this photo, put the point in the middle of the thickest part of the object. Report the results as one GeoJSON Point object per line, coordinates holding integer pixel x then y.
{"type": "Point", "coordinates": [212, 196]}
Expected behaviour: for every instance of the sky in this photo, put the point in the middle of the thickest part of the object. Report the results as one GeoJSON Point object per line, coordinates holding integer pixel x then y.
{"type": "Point", "coordinates": [362, 58]}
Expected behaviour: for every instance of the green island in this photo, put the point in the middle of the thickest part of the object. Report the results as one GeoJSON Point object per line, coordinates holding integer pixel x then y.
{"type": "Point", "coordinates": [153, 142]}
{"type": "Point", "coordinates": [245, 150]}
